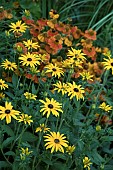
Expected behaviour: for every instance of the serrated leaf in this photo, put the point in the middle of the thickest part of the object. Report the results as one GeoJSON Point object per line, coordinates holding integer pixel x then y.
{"type": "Point", "coordinates": [27, 136]}
{"type": "Point", "coordinates": [8, 130]}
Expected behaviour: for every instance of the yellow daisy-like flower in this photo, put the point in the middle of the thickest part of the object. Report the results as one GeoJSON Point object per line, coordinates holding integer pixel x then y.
{"type": "Point", "coordinates": [7, 65]}
{"type": "Point", "coordinates": [25, 118]}
{"type": "Point", "coordinates": [29, 44]}
{"type": "Point", "coordinates": [42, 128]}
{"type": "Point", "coordinates": [51, 106]}
{"type": "Point", "coordinates": [7, 112]}
{"type": "Point", "coordinates": [18, 27]}
{"type": "Point", "coordinates": [30, 96]}
{"type": "Point", "coordinates": [76, 54]}
{"type": "Point", "coordinates": [105, 107]}
{"type": "Point", "coordinates": [56, 142]}
{"type": "Point", "coordinates": [70, 149]}
{"type": "Point", "coordinates": [68, 63]}
{"type": "Point", "coordinates": [75, 90]}
{"type": "Point", "coordinates": [29, 59]}
{"type": "Point", "coordinates": [3, 85]}
{"type": "Point", "coordinates": [86, 76]}
{"type": "Point", "coordinates": [108, 64]}
{"type": "Point", "coordinates": [54, 70]}
{"type": "Point", "coordinates": [2, 95]}
{"type": "Point", "coordinates": [61, 87]}
{"type": "Point", "coordinates": [24, 152]}
{"type": "Point", "coordinates": [86, 162]}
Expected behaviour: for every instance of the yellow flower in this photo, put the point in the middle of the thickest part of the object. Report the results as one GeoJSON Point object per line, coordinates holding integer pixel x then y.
{"type": "Point", "coordinates": [29, 44]}
{"type": "Point", "coordinates": [7, 112]}
{"type": "Point", "coordinates": [41, 128]}
{"type": "Point", "coordinates": [51, 106]}
{"type": "Point", "coordinates": [70, 149]}
{"type": "Point", "coordinates": [68, 63]}
{"type": "Point", "coordinates": [86, 76]}
{"type": "Point", "coordinates": [86, 162]}
{"type": "Point", "coordinates": [61, 87]}
{"type": "Point", "coordinates": [9, 65]}
{"type": "Point", "coordinates": [108, 64]}
{"type": "Point", "coordinates": [75, 90]}
{"type": "Point", "coordinates": [30, 96]}
{"type": "Point", "coordinates": [29, 59]}
{"type": "Point", "coordinates": [56, 142]}
{"type": "Point", "coordinates": [27, 13]}
{"type": "Point", "coordinates": [2, 95]}
{"type": "Point", "coordinates": [105, 107]}
{"type": "Point", "coordinates": [54, 69]}
{"type": "Point", "coordinates": [24, 152]}
{"type": "Point", "coordinates": [25, 118]}
{"type": "Point", "coordinates": [76, 54]}
{"type": "Point", "coordinates": [18, 27]}
{"type": "Point", "coordinates": [3, 85]}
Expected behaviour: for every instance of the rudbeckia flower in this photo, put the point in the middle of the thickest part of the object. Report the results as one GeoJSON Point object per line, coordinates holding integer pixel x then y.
{"type": "Point", "coordinates": [18, 27]}
{"type": "Point", "coordinates": [56, 141]}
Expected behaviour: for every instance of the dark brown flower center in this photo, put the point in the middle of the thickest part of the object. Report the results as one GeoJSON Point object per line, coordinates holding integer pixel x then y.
{"type": "Point", "coordinates": [56, 141]}
{"type": "Point", "coordinates": [29, 59]}
{"type": "Point", "coordinates": [7, 111]}
{"type": "Point", "coordinates": [111, 64]}
{"type": "Point", "coordinates": [9, 65]}
{"type": "Point", "coordinates": [17, 28]}
{"type": "Point", "coordinates": [56, 41]}
{"type": "Point", "coordinates": [54, 69]}
{"type": "Point", "coordinates": [50, 106]}
{"type": "Point", "coordinates": [0, 84]}
{"type": "Point", "coordinates": [76, 90]}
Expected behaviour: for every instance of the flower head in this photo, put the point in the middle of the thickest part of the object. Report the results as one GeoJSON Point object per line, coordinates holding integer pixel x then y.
{"type": "Point", "coordinates": [42, 128]}
{"type": "Point", "coordinates": [108, 64]}
{"type": "Point", "coordinates": [86, 76]}
{"type": "Point", "coordinates": [7, 112]}
{"type": "Point", "coordinates": [29, 44]}
{"type": "Point", "coordinates": [61, 87]}
{"type": "Point", "coordinates": [30, 96]}
{"type": "Point", "coordinates": [75, 90]}
{"type": "Point", "coordinates": [18, 27]}
{"type": "Point", "coordinates": [25, 118]}
{"type": "Point", "coordinates": [56, 141]}
{"type": "Point", "coordinates": [86, 162]}
{"type": "Point", "coordinates": [29, 59]}
{"type": "Point", "coordinates": [24, 153]}
{"type": "Point", "coordinates": [3, 85]}
{"type": "Point", "coordinates": [54, 70]}
{"type": "Point", "coordinates": [105, 107]}
{"type": "Point", "coordinates": [70, 149]}
{"type": "Point", "coordinates": [51, 106]}
{"type": "Point", "coordinates": [76, 54]}
{"type": "Point", "coordinates": [7, 65]}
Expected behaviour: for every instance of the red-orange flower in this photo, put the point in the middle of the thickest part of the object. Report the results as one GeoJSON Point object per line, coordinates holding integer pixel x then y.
{"type": "Point", "coordinates": [90, 34]}
{"type": "Point", "coordinates": [90, 52]}
{"type": "Point", "coordinates": [76, 32]}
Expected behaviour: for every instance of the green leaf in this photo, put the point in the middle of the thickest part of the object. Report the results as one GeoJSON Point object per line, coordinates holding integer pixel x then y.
{"type": "Point", "coordinates": [34, 91]}
{"type": "Point", "coordinates": [7, 141]}
{"type": "Point", "coordinates": [108, 167]}
{"type": "Point", "coordinates": [3, 164]}
{"type": "Point", "coordinates": [15, 80]}
{"type": "Point", "coordinates": [10, 95]}
{"type": "Point", "coordinates": [8, 130]}
{"type": "Point", "coordinates": [10, 153]}
{"type": "Point", "coordinates": [60, 166]}
{"type": "Point", "coordinates": [27, 136]}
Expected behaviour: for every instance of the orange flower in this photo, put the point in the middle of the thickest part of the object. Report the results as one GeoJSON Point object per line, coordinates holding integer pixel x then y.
{"type": "Point", "coordinates": [67, 41]}
{"type": "Point", "coordinates": [51, 23]}
{"type": "Point", "coordinates": [90, 52]}
{"type": "Point", "coordinates": [76, 32]}
{"type": "Point", "coordinates": [86, 43]}
{"type": "Point", "coordinates": [53, 14]}
{"type": "Point", "coordinates": [90, 34]}
{"type": "Point", "coordinates": [21, 46]}
{"type": "Point", "coordinates": [55, 43]}
{"type": "Point", "coordinates": [52, 32]}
